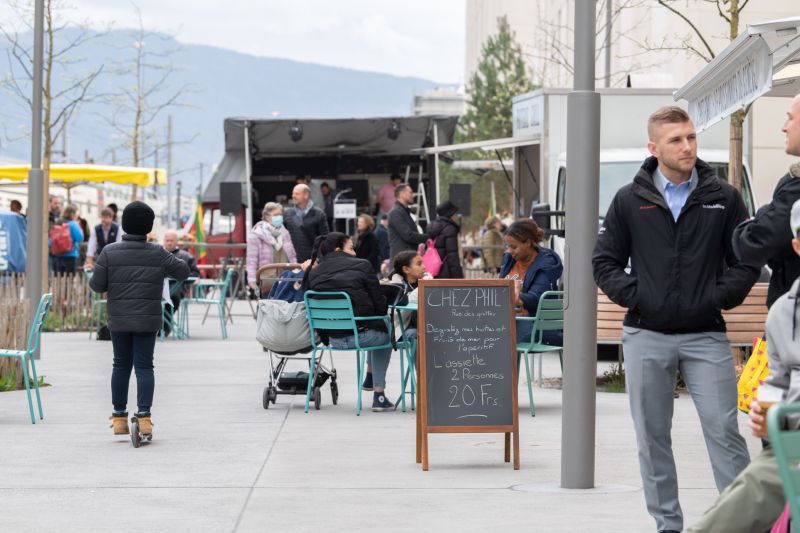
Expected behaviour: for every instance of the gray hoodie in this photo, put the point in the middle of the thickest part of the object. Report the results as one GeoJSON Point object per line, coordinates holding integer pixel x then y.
{"type": "Point", "coordinates": [783, 348]}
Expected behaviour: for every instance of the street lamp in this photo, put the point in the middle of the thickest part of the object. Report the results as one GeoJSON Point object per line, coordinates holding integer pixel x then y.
{"type": "Point", "coordinates": [34, 269]}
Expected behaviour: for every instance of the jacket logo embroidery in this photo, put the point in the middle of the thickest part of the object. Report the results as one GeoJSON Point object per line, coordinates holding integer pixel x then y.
{"type": "Point", "coordinates": [643, 207]}
{"type": "Point", "coordinates": [713, 206]}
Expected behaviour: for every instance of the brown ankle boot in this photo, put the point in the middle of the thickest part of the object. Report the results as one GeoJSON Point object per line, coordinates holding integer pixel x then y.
{"type": "Point", "coordinates": [120, 424]}
{"type": "Point", "coordinates": [145, 425]}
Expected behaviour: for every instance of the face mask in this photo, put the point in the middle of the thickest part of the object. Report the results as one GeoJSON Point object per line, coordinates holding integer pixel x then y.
{"type": "Point", "coordinates": [277, 221]}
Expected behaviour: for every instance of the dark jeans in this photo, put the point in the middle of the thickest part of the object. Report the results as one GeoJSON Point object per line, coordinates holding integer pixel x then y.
{"type": "Point", "coordinates": [133, 350]}
{"type": "Point", "coordinates": [169, 311]}
{"type": "Point", "coordinates": [65, 265]}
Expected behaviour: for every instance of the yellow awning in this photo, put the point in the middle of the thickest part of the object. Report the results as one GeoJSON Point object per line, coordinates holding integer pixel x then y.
{"type": "Point", "coordinates": [143, 177]}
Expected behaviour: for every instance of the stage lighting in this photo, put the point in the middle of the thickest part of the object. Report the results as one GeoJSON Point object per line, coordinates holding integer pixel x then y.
{"type": "Point", "coordinates": [296, 132]}
{"type": "Point", "coordinates": [393, 131]}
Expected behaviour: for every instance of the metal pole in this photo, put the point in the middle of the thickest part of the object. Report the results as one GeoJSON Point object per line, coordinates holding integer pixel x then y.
{"type": "Point", "coordinates": [435, 172]}
{"type": "Point", "coordinates": [169, 174]}
{"type": "Point", "coordinates": [248, 183]}
{"type": "Point", "coordinates": [580, 333]}
{"type": "Point", "coordinates": [609, 22]}
{"type": "Point", "coordinates": [178, 206]}
{"type": "Point", "coordinates": [35, 256]}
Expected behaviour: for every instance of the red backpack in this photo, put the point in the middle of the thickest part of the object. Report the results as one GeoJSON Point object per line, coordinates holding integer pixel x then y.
{"type": "Point", "coordinates": [60, 239]}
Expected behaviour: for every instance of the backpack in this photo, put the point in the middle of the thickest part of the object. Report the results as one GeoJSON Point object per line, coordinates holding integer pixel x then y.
{"type": "Point", "coordinates": [60, 239]}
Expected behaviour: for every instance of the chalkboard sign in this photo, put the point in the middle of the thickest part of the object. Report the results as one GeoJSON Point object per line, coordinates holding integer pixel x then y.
{"type": "Point", "coordinates": [467, 359]}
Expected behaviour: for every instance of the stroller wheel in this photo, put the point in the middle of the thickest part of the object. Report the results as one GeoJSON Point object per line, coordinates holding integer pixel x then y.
{"type": "Point", "coordinates": [266, 398]}
{"type": "Point", "coordinates": [273, 394]}
{"type": "Point", "coordinates": [334, 392]}
{"type": "Point", "coordinates": [317, 398]}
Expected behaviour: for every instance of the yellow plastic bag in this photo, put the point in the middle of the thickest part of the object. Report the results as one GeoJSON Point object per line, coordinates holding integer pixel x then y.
{"type": "Point", "coordinates": [755, 372]}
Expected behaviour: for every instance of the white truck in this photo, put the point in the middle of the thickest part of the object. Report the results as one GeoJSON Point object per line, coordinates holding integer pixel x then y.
{"type": "Point", "coordinates": [540, 145]}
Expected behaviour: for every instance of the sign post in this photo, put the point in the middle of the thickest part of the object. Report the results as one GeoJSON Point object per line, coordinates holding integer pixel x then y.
{"type": "Point", "coordinates": [345, 210]}
{"type": "Point", "coordinates": [467, 362]}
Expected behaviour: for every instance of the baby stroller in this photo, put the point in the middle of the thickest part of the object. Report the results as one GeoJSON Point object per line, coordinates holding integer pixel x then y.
{"type": "Point", "coordinates": [282, 329]}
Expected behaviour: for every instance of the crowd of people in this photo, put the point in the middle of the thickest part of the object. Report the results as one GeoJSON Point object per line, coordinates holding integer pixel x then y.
{"type": "Point", "coordinates": [391, 252]}
{"type": "Point", "coordinates": [676, 248]}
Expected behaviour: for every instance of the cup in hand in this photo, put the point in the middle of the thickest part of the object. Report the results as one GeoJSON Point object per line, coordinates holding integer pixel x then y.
{"type": "Point", "coordinates": [768, 395]}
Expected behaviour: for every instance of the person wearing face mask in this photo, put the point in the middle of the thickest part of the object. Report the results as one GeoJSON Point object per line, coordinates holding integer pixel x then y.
{"type": "Point", "coordinates": [268, 242]}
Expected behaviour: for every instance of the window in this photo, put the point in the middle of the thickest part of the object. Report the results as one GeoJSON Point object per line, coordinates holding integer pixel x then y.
{"type": "Point", "coordinates": [214, 223]}
{"type": "Point", "coordinates": [561, 194]}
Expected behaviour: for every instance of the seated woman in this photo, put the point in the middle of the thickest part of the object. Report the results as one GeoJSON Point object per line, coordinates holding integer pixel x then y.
{"type": "Point", "coordinates": [408, 270]}
{"type": "Point", "coordinates": [268, 242]}
{"type": "Point", "coordinates": [536, 270]}
{"type": "Point", "coordinates": [334, 267]}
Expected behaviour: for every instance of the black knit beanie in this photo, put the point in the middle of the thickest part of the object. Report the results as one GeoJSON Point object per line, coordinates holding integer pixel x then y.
{"type": "Point", "coordinates": [446, 209]}
{"type": "Point", "coordinates": [137, 218]}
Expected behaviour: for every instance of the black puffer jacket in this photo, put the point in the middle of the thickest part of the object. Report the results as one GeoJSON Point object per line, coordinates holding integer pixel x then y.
{"type": "Point", "coordinates": [682, 273]}
{"type": "Point", "coordinates": [444, 233]}
{"type": "Point", "coordinates": [368, 248]}
{"type": "Point", "coordinates": [304, 229]}
{"type": "Point", "coordinates": [132, 271]}
{"type": "Point", "coordinates": [339, 271]}
{"type": "Point", "coordinates": [767, 238]}
{"type": "Point", "coordinates": [188, 259]}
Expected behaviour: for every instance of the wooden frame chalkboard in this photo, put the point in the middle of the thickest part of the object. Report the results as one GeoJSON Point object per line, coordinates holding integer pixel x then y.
{"type": "Point", "coordinates": [467, 361]}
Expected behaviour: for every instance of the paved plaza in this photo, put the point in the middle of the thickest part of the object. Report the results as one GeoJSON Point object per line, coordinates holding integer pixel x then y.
{"type": "Point", "coordinates": [220, 462]}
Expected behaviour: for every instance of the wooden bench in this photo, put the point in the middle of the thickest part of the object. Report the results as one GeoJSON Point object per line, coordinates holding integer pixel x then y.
{"type": "Point", "coordinates": [744, 322]}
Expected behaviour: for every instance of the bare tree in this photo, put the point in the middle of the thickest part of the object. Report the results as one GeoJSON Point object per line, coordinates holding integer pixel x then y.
{"type": "Point", "coordinates": [145, 90]}
{"type": "Point", "coordinates": [67, 79]}
{"type": "Point", "coordinates": [555, 44]}
{"type": "Point", "coordinates": [697, 41]}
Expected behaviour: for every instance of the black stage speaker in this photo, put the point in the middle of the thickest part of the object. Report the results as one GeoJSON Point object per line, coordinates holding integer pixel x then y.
{"type": "Point", "coordinates": [230, 198]}
{"type": "Point", "coordinates": [461, 195]}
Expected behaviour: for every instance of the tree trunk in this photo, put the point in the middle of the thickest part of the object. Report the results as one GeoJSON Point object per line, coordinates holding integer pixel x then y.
{"type": "Point", "coordinates": [736, 155]}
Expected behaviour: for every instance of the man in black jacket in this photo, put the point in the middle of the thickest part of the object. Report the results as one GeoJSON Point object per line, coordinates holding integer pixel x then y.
{"type": "Point", "coordinates": [674, 224]}
{"type": "Point", "coordinates": [766, 239]}
{"type": "Point", "coordinates": [304, 221]}
{"type": "Point", "coordinates": [403, 233]}
{"type": "Point", "coordinates": [132, 272]}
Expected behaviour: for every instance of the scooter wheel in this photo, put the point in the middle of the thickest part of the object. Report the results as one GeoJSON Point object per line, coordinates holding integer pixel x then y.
{"type": "Point", "coordinates": [136, 437]}
{"type": "Point", "coordinates": [317, 398]}
{"type": "Point", "coordinates": [334, 393]}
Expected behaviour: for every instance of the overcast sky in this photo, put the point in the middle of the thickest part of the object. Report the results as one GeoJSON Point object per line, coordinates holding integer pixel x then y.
{"type": "Point", "coordinates": [421, 38]}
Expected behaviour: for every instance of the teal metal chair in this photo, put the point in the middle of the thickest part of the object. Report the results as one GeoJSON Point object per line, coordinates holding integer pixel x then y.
{"type": "Point", "coordinates": [221, 288]}
{"type": "Point", "coordinates": [408, 354]}
{"type": "Point", "coordinates": [27, 354]}
{"type": "Point", "coordinates": [334, 311]}
{"type": "Point", "coordinates": [98, 302]}
{"type": "Point", "coordinates": [786, 445]}
{"type": "Point", "coordinates": [549, 317]}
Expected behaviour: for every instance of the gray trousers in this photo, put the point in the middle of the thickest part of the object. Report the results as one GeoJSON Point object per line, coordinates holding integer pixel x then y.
{"type": "Point", "coordinates": [704, 360]}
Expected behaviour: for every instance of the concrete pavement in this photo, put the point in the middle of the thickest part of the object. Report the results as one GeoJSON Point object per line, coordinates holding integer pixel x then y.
{"type": "Point", "coordinates": [220, 462]}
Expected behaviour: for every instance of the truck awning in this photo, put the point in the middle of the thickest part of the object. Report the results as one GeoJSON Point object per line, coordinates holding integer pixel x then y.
{"type": "Point", "coordinates": [762, 61]}
{"type": "Point", "coordinates": [143, 177]}
{"type": "Point", "coordinates": [487, 145]}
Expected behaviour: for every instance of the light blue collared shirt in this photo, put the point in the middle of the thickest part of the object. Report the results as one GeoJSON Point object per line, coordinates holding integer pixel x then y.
{"type": "Point", "coordinates": [309, 205]}
{"type": "Point", "coordinates": [675, 195]}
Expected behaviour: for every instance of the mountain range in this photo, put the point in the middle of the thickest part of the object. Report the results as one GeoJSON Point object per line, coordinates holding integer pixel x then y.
{"type": "Point", "coordinates": [218, 83]}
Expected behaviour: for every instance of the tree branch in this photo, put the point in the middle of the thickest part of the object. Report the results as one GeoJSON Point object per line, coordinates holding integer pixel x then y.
{"type": "Point", "coordinates": [686, 19]}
